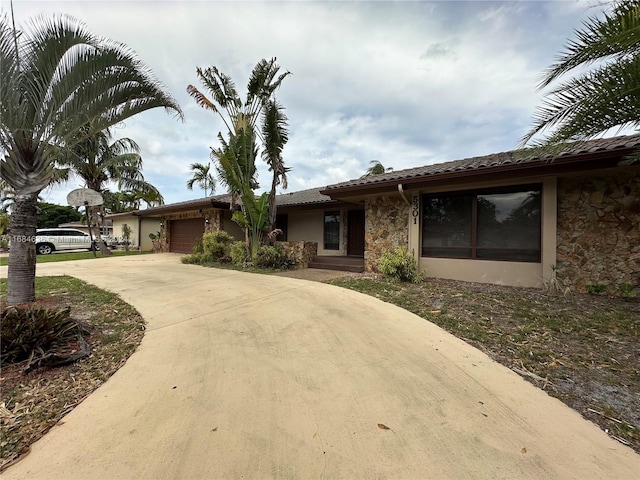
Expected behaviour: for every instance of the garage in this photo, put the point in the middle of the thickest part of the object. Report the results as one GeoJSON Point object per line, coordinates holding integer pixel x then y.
{"type": "Point", "coordinates": [184, 233]}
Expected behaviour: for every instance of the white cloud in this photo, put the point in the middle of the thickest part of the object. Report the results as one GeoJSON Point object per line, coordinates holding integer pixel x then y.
{"type": "Point", "coordinates": [406, 83]}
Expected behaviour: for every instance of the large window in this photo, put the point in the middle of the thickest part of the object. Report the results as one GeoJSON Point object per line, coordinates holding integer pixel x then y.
{"type": "Point", "coordinates": [332, 230]}
{"type": "Point", "coordinates": [498, 224]}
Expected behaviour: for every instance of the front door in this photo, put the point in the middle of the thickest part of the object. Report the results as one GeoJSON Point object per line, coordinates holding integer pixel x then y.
{"type": "Point", "coordinates": [355, 233]}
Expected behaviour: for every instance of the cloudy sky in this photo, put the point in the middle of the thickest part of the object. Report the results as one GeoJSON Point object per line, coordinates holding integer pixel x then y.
{"type": "Point", "coordinates": [405, 83]}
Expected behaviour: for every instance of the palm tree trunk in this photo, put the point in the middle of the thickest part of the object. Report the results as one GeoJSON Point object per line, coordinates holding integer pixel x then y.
{"type": "Point", "coordinates": [272, 202]}
{"type": "Point", "coordinates": [22, 253]}
{"type": "Point", "coordinates": [104, 249]}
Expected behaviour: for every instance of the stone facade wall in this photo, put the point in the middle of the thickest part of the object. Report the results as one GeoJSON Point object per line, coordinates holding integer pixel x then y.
{"type": "Point", "coordinates": [598, 233]}
{"type": "Point", "coordinates": [300, 252]}
{"type": "Point", "coordinates": [386, 227]}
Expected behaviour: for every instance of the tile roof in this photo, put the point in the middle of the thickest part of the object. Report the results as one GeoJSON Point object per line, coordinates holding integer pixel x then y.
{"type": "Point", "coordinates": [302, 197]}
{"type": "Point", "coordinates": [206, 202]}
{"type": "Point", "coordinates": [504, 159]}
{"type": "Point", "coordinates": [475, 164]}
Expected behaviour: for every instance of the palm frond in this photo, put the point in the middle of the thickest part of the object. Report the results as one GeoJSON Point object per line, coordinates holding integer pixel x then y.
{"type": "Point", "coordinates": [615, 36]}
{"type": "Point", "coordinates": [589, 105]}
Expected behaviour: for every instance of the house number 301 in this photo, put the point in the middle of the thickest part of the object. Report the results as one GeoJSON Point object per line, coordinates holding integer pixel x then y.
{"type": "Point", "coordinates": [415, 209]}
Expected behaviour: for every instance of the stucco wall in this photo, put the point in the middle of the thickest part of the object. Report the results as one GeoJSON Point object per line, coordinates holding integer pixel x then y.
{"type": "Point", "coordinates": [132, 222]}
{"type": "Point", "coordinates": [386, 227]}
{"type": "Point", "coordinates": [599, 230]}
{"type": "Point", "coordinates": [230, 226]}
{"type": "Point", "coordinates": [147, 226]}
{"type": "Point", "coordinates": [309, 226]}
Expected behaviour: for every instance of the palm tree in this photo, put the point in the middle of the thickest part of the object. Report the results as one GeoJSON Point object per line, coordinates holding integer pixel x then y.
{"type": "Point", "coordinates": [98, 161]}
{"type": "Point", "coordinates": [235, 159]}
{"type": "Point", "coordinates": [603, 97]}
{"type": "Point", "coordinates": [376, 168]}
{"type": "Point", "coordinates": [6, 196]}
{"type": "Point", "coordinates": [60, 83]}
{"type": "Point", "coordinates": [202, 177]}
{"type": "Point", "coordinates": [275, 135]}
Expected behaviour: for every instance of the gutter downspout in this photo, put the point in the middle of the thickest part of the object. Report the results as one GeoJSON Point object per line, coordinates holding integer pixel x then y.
{"type": "Point", "coordinates": [402, 194]}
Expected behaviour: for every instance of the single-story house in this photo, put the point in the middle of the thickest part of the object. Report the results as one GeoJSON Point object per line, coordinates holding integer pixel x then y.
{"type": "Point", "coordinates": [140, 229]}
{"type": "Point", "coordinates": [515, 218]}
{"type": "Point", "coordinates": [106, 229]}
{"type": "Point", "coordinates": [303, 216]}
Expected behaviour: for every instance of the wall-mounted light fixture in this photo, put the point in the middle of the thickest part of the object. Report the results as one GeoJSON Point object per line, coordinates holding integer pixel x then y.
{"type": "Point", "coordinates": [206, 220]}
{"type": "Point", "coordinates": [161, 224]}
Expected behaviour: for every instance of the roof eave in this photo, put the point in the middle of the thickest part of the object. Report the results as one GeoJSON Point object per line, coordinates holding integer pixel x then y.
{"type": "Point", "coordinates": [540, 167]}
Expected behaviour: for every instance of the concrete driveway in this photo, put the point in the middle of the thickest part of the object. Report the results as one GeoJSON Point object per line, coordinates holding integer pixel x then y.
{"type": "Point", "coordinates": [253, 376]}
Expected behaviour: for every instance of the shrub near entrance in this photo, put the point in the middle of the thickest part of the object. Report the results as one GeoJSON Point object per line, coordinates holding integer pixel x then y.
{"type": "Point", "coordinates": [399, 265]}
{"type": "Point", "coordinates": [216, 245]}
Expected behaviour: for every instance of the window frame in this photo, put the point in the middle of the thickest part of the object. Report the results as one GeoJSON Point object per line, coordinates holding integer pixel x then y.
{"type": "Point", "coordinates": [325, 232]}
{"type": "Point", "coordinates": [475, 193]}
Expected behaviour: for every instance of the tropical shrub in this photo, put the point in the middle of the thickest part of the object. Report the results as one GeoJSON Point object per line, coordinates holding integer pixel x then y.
{"type": "Point", "coordinates": [216, 244]}
{"type": "Point", "coordinates": [33, 330]}
{"type": "Point", "coordinates": [198, 259]}
{"type": "Point", "coordinates": [400, 265]}
{"type": "Point", "coordinates": [197, 247]}
{"type": "Point", "coordinates": [272, 256]}
{"type": "Point", "coordinates": [238, 253]}
{"type": "Point", "coordinates": [126, 236]}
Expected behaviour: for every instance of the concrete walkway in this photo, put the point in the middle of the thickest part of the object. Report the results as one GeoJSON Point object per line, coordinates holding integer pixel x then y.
{"type": "Point", "coordinates": [252, 376]}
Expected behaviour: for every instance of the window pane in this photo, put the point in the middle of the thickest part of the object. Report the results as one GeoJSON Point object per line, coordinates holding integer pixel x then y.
{"type": "Point", "coordinates": [332, 230]}
{"type": "Point", "coordinates": [509, 226]}
{"type": "Point", "coordinates": [447, 226]}
{"type": "Point", "coordinates": [282, 223]}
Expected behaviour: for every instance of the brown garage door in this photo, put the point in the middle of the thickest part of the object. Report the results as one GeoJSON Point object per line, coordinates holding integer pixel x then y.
{"type": "Point", "coordinates": [184, 233]}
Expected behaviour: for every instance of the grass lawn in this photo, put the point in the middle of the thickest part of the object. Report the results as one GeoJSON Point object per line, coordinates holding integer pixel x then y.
{"type": "Point", "coordinates": [583, 350]}
{"type": "Point", "coordinates": [31, 404]}
{"type": "Point", "coordinates": [63, 257]}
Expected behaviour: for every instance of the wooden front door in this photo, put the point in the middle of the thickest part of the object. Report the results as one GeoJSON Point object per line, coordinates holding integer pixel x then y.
{"type": "Point", "coordinates": [355, 233]}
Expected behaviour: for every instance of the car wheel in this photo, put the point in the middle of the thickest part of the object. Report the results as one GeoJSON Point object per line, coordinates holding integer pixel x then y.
{"type": "Point", "coordinates": [44, 248]}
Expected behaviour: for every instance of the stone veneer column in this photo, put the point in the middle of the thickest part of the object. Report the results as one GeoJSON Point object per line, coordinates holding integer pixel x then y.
{"type": "Point", "coordinates": [386, 227]}
{"type": "Point", "coordinates": [598, 236]}
{"type": "Point", "coordinates": [215, 220]}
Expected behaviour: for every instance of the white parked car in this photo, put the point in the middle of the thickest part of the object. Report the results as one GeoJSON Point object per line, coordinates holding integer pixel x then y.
{"type": "Point", "coordinates": [49, 240]}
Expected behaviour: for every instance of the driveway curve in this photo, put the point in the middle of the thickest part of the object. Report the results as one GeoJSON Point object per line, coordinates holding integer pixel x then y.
{"type": "Point", "coordinates": [254, 376]}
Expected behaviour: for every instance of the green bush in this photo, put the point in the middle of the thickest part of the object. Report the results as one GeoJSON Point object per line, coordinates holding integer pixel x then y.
{"type": "Point", "coordinates": [198, 259]}
{"type": "Point", "coordinates": [238, 253]}
{"type": "Point", "coordinates": [399, 265]}
{"type": "Point", "coordinates": [197, 247]}
{"type": "Point", "coordinates": [33, 331]}
{"type": "Point", "coordinates": [192, 259]}
{"type": "Point", "coordinates": [216, 244]}
{"type": "Point", "coordinates": [272, 257]}
{"type": "Point", "coordinates": [595, 288]}
{"type": "Point", "coordinates": [626, 290]}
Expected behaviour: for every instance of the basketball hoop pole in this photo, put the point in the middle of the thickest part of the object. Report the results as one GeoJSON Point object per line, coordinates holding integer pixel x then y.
{"type": "Point", "coordinates": [88, 215]}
